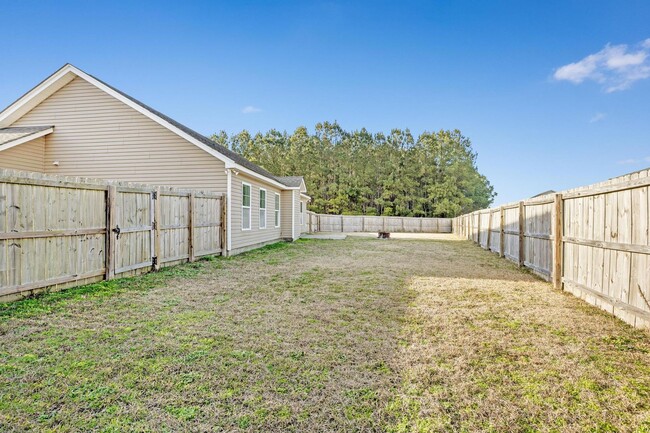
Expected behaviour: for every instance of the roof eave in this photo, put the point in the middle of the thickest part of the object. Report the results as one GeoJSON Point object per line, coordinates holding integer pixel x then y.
{"type": "Point", "coordinates": [36, 95]}
{"type": "Point", "coordinates": [68, 72]}
{"type": "Point", "coordinates": [26, 138]}
{"type": "Point", "coordinates": [237, 167]}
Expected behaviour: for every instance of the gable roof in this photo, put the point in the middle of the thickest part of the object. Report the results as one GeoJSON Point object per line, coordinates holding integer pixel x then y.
{"type": "Point", "coordinates": [68, 72]}
{"type": "Point", "coordinates": [10, 137]}
{"type": "Point", "coordinates": [294, 181]}
{"type": "Point", "coordinates": [550, 191]}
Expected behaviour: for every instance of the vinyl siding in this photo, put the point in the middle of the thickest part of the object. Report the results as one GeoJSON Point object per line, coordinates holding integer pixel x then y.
{"type": "Point", "coordinates": [98, 136]}
{"type": "Point", "coordinates": [254, 236]}
{"type": "Point", "coordinates": [27, 156]}
{"type": "Point", "coordinates": [285, 213]}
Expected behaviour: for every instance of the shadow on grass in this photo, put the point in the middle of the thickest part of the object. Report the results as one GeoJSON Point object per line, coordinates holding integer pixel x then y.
{"type": "Point", "coordinates": [48, 302]}
{"type": "Point", "coordinates": [315, 335]}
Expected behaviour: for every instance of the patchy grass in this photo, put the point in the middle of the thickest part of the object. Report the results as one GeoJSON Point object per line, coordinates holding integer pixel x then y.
{"type": "Point", "coordinates": [356, 335]}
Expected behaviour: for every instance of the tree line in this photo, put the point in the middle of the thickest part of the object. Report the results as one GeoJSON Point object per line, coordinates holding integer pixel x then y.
{"type": "Point", "coordinates": [358, 172]}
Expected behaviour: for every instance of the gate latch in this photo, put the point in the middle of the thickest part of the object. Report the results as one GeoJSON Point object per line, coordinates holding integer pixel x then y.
{"type": "Point", "coordinates": [117, 231]}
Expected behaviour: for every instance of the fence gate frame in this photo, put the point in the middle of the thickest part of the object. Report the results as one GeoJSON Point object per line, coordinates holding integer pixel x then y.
{"type": "Point", "coordinates": [116, 229]}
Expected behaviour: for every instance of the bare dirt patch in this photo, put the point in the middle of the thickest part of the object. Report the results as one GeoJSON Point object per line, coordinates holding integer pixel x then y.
{"type": "Point", "coordinates": [354, 335]}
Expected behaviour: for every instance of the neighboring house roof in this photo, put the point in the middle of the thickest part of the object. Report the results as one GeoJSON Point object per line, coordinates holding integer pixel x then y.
{"type": "Point", "coordinates": [550, 191]}
{"type": "Point", "coordinates": [13, 136]}
{"type": "Point", "coordinates": [68, 72]}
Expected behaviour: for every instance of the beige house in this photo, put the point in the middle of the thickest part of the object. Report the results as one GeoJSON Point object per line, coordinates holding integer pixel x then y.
{"type": "Point", "coordinates": [76, 125]}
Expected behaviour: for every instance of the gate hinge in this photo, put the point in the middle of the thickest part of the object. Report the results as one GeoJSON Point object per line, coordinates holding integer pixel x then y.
{"type": "Point", "coordinates": [154, 261]}
{"type": "Point", "coordinates": [155, 195]}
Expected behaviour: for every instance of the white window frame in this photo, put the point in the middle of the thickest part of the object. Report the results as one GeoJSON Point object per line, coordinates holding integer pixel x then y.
{"type": "Point", "coordinates": [262, 209]}
{"type": "Point", "coordinates": [248, 208]}
{"type": "Point", "coordinates": [302, 213]}
{"type": "Point", "coordinates": [276, 210]}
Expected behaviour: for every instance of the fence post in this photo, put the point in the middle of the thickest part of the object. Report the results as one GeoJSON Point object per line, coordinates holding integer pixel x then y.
{"type": "Point", "coordinates": [489, 233]}
{"type": "Point", "coordinates": [383, 224]}
{"type": "Point", "coordinates": [224, 225]}
{"type": "Point", "coordinates": [471, 227]}
{"type": "Point", "coordinates": [421, 224]}
{"type": "Point", "coordinates": [190, 223]}
{"type": "Point", "coordinates": [157, 220]}
{"type": "Point", "coordinates": [478, 238]}
{"type": "Point", "coordinates": [557, 241]}
{"type": "Point", "coordinates": [522, 228]}
{"type": "Point", "coordinates": [363, 223]}
{"type": "Point", "coordinates": [111, 214]}
{"type": "Point", "coordinates": [342, 224]}
{"type": "Point", "coordinates": [502, 236]}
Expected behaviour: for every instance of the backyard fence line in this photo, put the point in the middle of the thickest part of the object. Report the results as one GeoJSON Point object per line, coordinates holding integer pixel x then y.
{"type": "Point", "coordinates": [592, 241]}
{"type": "Point", "coordinates": [361, 223]}
{"type": "Point", "coordinates": [58, 232]}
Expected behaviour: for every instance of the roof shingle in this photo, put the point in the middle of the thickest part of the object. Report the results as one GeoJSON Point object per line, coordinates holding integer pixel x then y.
{"type": "Point", "coordinates": [291, 181]}
{"type": "Point", "coordinates": [9, 134]}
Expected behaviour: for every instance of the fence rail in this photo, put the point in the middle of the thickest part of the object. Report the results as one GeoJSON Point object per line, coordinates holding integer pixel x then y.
{"type": "Point", "coordinates": [362, 223]}
{"type": "Point", "coordinates": [58, 232]}
{"type": "Point", "coordinates": [592, 241]}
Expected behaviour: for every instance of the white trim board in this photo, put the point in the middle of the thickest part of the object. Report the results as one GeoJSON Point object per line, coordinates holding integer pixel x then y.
{"type": "Point", "coordinates": [293, 215]}
{"type": "Point", "coordinates": [26, 138]}
{"type": "Point", "coordinates": [229, 210]}
{"type": "Point", "coordinates": [68, 72]}
{"type": "Point", "coordinates": [279, 210]}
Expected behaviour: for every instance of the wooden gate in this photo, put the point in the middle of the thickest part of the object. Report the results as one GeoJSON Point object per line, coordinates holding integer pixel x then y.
{"type": "Point", "coordinates": [153, 228]}
{"type": "Point", "coordinates": [132, 226]}
{"type": "Point", "coordinates": [59, 232]}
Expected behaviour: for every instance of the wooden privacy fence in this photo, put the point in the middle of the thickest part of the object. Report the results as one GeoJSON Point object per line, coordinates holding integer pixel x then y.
{"type": "Point", "coordinates": [58, 232]}
{"type": "Point", "coordinates": [361, 223]}
{"type": "Point", "coordinates": [592, 241]}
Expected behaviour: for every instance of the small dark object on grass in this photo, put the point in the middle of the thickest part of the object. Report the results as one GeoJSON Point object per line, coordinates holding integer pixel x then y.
{"type": "Point", "coordinates": [383, 235]}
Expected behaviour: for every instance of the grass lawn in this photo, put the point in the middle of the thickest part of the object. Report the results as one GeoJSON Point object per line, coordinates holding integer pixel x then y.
{"type": "Point", "coordinates": [323, 336]}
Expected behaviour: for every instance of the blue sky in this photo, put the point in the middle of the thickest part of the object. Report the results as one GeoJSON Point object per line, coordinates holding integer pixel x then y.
{"type": "Point", "coordinates": [490, 69]}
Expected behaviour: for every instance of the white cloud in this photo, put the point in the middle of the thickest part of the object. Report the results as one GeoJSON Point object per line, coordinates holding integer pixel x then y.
{"type": "Point", "coordinates": [579, 71]}
{"type": "Point", "coordinates": [615, 67]}
{"type": "Point", "coordinates": [249, 109]}
{"type": "Point", "coordinates": [597, 117]}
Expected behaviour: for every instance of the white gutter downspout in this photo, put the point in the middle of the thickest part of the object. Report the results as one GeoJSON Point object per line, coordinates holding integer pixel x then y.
{"type": "Point", "coordinates": [229, 212]}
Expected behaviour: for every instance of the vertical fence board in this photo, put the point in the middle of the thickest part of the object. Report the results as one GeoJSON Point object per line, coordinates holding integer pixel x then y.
{"type": "Point", "coordinates": [57, 232]}
{"type": "Point", "coordinates": [592, 241]}
{"type": "Point", "coordinates": [370, 224]}
{"type": "Point", "coordinates": [557, 241]}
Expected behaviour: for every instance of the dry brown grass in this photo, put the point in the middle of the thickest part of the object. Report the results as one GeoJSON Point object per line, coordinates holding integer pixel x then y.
{"type": "Point", "coordinates": [355, 335]}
